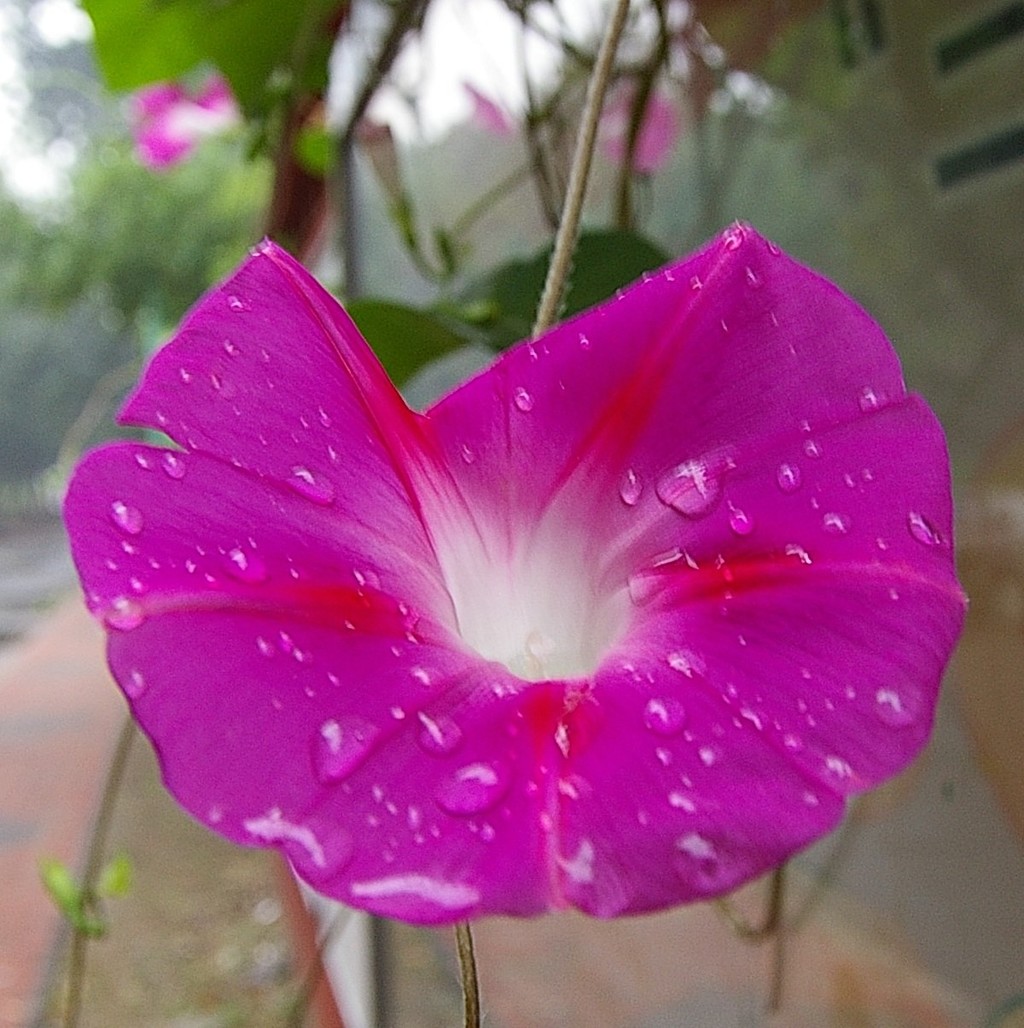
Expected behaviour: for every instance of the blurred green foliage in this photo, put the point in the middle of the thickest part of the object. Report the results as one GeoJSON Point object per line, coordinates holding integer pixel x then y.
{"type": "Point", "coordinates": [86, 288]}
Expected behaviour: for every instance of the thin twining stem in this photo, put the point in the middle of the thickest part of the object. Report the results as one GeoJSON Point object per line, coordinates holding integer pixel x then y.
{"type": "Point", "coordinates": [772, 927]}
{"type": "Point", "coordinates": [93, 868]}
{"type": "Point", "coordinates": [467, 973]}
{"type": "Point", "coordinates": [568, 226]}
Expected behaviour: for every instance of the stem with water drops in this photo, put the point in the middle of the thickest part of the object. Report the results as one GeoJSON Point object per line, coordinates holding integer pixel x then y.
{"type": "Point", "coordinates": [467, 974]}
{"type": "Point", "coordinates": [568, 226]}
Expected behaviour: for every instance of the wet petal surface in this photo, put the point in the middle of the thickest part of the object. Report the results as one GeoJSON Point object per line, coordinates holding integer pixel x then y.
{"type": "Point", "coordinates": [620, 623]}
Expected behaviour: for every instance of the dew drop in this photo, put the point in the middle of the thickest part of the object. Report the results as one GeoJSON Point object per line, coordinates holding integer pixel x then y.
{"type": "Point", "coordinates": [473, 789]}
{"type": "Point", "coordinates": [311, 486]}
{"type": "Point", "coordinates": [246, 567]}
{"type": "Point", "coordinates": [341, 745]}
{"type": "Point", "coordinates": [230, 348]}
{"type": "Point", "coordinates": [522, 399]}
{"type": "Point", "coordinates": [142, 459]}
{"type": "Point", "coordinates": [686, 663]}
{"type": "Point", "coordinates": [753, 278]}
{"type": "Point", "coordinates": [664, 715]}
{"type": "Point", "coordinates": [185, 375]}
{"type": "Point", "coordinates": [868, 400]}
{"type": "Point", "coordinates": [835, 524]}
{"type": "Point", "coordinates": [134, 684]}
{"type": "Point", "coordinates": [812, 449]}
{"type": "Point", "coordinates": [630, 488]}
{"type": "Point", "coordinates": [740, 522]}
{"type": "Point", "coordinates": [837, 767]}
{"type": "Point", "coordinates": [793, 743]}
{"type": "Point", "coordinates": [892, 710]}
{"type": "Point", "coordinates": [439, 736]}
{"type": "Point", "coordinates": [128, 519]}
{"type": "Point", "coordinates": [922, 530]}
{"type": "Point", "coordinates": [265, 647]}
{"type": "Point", "coordinates": [789, 478]}
{"type": "Point", "coordinates": [173, 466]}
{"type": "Point", "coordinates": [124, 614]}
{"type": "Point", "coordinates": [236, 303]}
{"type": "Point", "coordinates": [467, 454]}
{"type": "Point", "coordinates": [691, 488]}
{"type": "Point", "coordinates": [584, 342]}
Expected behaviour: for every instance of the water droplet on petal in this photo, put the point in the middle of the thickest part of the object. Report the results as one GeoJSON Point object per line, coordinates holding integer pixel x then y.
{"type": "Point", "coordinates": [664, 715]}
{"type": "Point", "coordinates": [265, 647]}
{"type": "Point", "coordinates": [522, 399]}
{"type": "Point", "coordinates": [236, 303]}
{"type": "Point", "coordinates": [630, 488]}
{"type": "Point", "coordinates": [341, 745]}
{"type": "Point", "coordinates": [467, 454]}
{"type": "Point", "coordinates": [128, 519]}
{"type": "Point", "coordinates": [473, 789]}
{"type": "Point", "coordinates": [173, 466]}
{"type": "Point", "coordinates": [812, 449]}
{"type": "Point", "coordinates": [835, 524]}
{"type": "Point", "coordinates": [740, 522]}
{"type": "Point", "coordinates": [312, 487]}
{"type": "Point", "coordinates": [246, 567]}
{"type": "Point", "coordinates": [891, 709]}
{"type": "Point", "coordinates": [143, 461]}
{"type": "Point", "coordinates": [230, 348]}
{"type": "Point", "coordinates": [124, 614]}
{"type": "Point", "coordinates": [134, 684]}
{"type": "Point", "coordinates": [789, 478]}
{"type": "Point", "coordinates": [185, 375]}
{"type": "Point", "coordinates": [692, 488]}
{"type": "Point", "coordinates": [793, 743]}
{"type": "Point", "coordinates": [922, 530]}
{"type": "Point", "coordinates": [686, 663]}
{"type": "Point", "coordinates": [753, 279]}
{"type": "Point", "coordinates": [439, 735]}
{"type": "Point", "coordinates": [868, 400]}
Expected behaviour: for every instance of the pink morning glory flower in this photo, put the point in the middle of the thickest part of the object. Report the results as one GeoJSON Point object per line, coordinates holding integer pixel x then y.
{"type": "Point", "coordinates": [168, 123]}
{"type": "Point", "coordinates": [619, 623]}
{"type": "Point", "coordinates": [660, 129]}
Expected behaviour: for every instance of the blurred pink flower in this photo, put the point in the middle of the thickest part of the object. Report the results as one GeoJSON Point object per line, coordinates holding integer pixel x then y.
{"type": "Point", "coordinates": [617, 624]}
{"type": "Point", "coordinates": [659, 131]}
{"type": "Point", "coordinates": [489, 115]}
{"type": "Point", "coordinates": [168, 123]}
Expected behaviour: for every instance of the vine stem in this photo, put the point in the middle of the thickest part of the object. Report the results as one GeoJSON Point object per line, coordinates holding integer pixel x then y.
{"type": "Point", "coordinates": [93, 868]}
{"type": "Point", "coordinates": [568, 226]}
{"type": "Point", "coordinates": [467, 971]}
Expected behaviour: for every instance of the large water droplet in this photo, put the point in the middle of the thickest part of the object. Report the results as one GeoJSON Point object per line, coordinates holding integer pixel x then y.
{"type": "Point", "coordinates": [439, 735]}
{"type": "Point", "coordinates": [692, 488]}
{"type": "Point", "coordinates": [664, 715]}
{"type": "Point", "coordinates": [891, 708]}
{"type": "Point", "coordinates": [173, 466]}
{"type": "Point", "coordinates": [128, 519]}
{"type": "Point", "coordinates": [313, 487]}
{"type": "Point", "coordinates": [341, 745]}
{"type": "Point", "coordinates": [522, 399]}
{"type": "Point", "coordinates": [473, 788]}
{"type": "Point", "coordinates": [789, 478]}
{"type": "Point", "coordinates": [922, 529]}
{"type": "Point", "coordinates": [124, 614]}
{"type": "Point", "coordinates": [630, 488]}
{"type": "Point", "coordinates": [246, 567]}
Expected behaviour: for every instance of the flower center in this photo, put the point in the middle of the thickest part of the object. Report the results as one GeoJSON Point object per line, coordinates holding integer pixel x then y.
{"type": "Point", "coordinates": [539, 612]}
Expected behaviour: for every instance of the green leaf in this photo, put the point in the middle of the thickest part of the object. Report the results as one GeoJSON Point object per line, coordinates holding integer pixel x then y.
{"type": "Point", "coordinates": [404, 338]}
{"type": "Point", "coordinates": [61, 885]}
{"type": "Point", "coordinates": [116, 878]}
{"type": "Point", "coordinates": [252, 42]}
{"type": "Point", "coordinates": [314, 150]}
{"type": "Point", "coordinates": [604, 261]}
